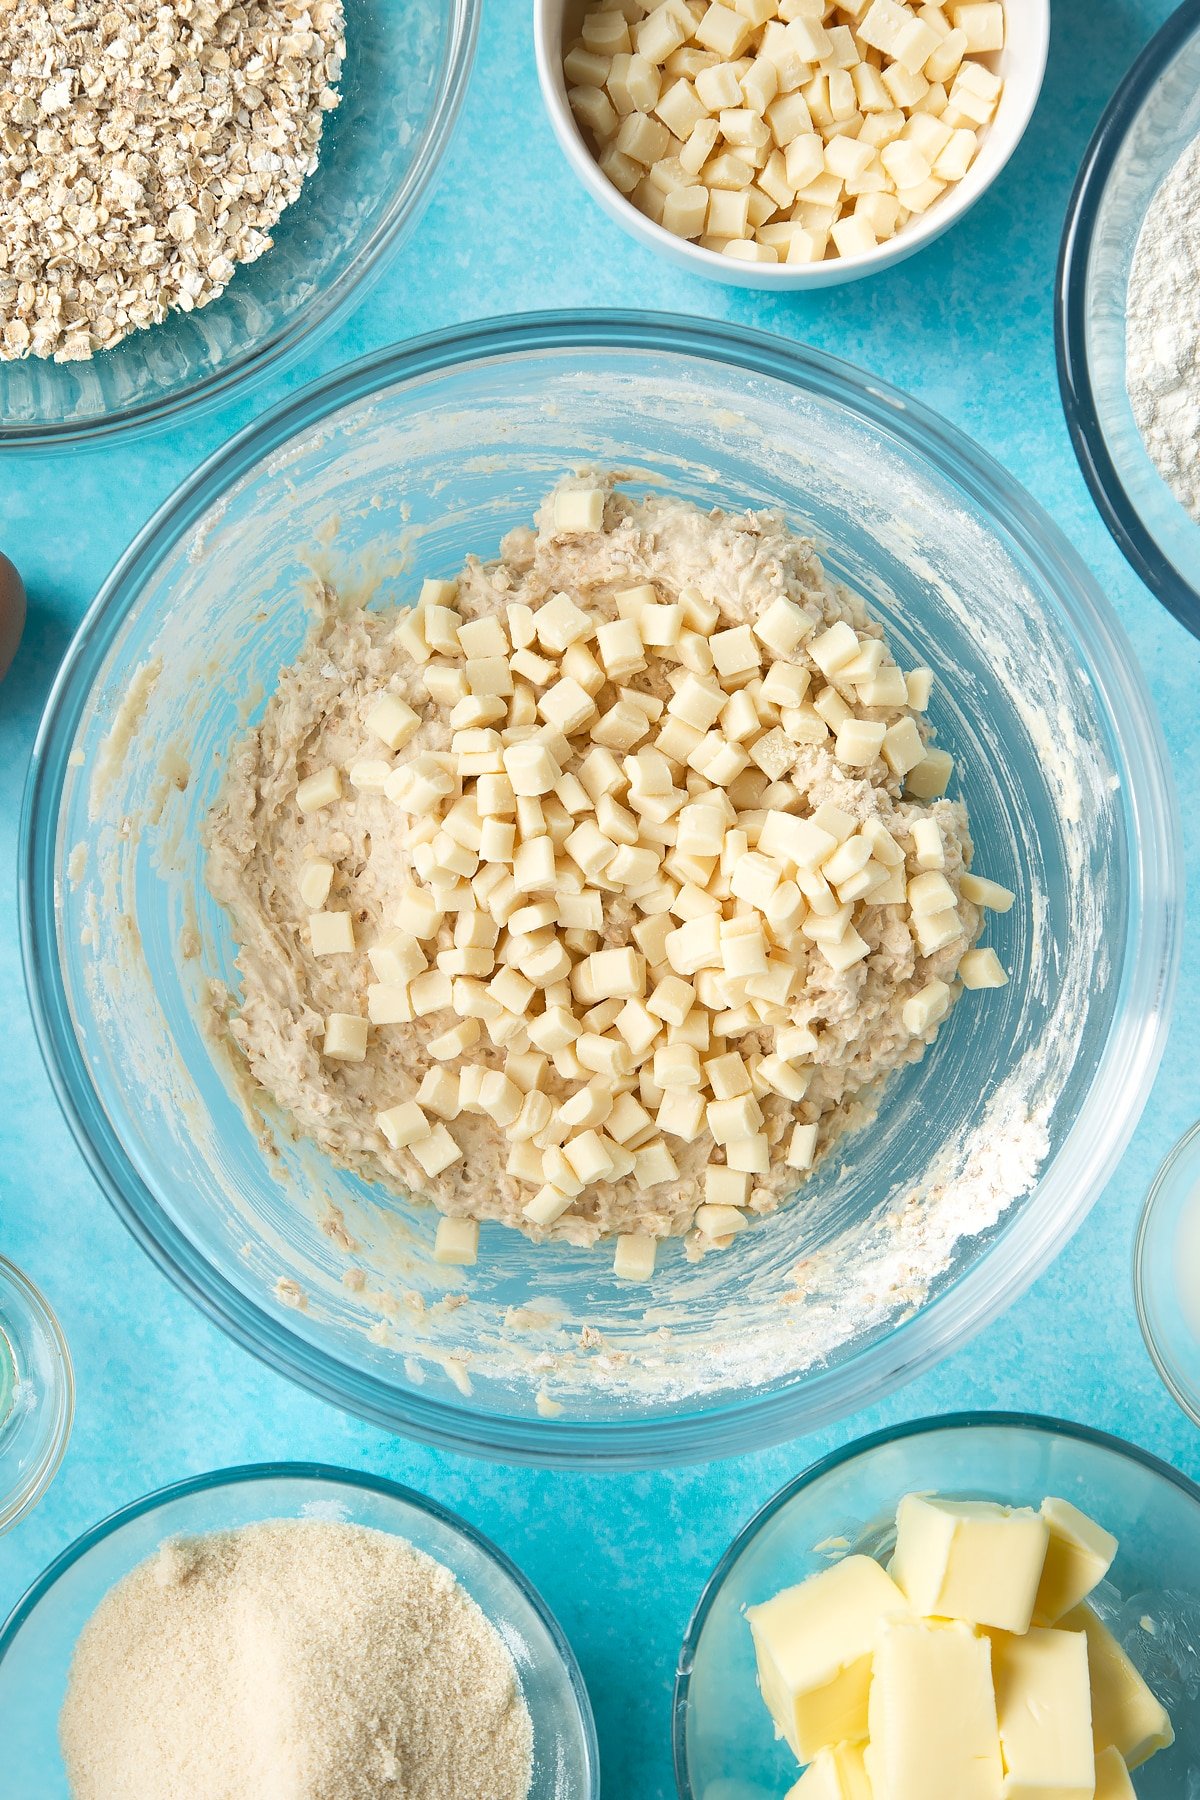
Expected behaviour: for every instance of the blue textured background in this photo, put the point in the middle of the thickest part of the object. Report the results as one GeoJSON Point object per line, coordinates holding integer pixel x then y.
{"type": "Point", "coordinates": [966, 325]}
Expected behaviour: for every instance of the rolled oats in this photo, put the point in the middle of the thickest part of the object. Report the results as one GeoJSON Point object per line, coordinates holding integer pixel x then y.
{"type": "Point", "coordinates": [147, 147]}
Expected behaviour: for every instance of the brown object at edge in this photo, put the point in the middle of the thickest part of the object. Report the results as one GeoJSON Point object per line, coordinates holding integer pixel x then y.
{"type": "Point", "coordinates": [12, 613]}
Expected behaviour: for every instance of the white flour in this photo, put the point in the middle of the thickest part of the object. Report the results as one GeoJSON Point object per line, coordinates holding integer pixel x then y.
{"type": "Point", "coordinates": [1163, 330]}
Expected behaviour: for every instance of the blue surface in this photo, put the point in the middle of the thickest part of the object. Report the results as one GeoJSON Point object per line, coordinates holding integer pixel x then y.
{"type": "Point", "coordinates": [966, 325]}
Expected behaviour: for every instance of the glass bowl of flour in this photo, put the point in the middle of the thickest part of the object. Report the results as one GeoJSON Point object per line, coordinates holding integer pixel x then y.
{"type": "Point", "coordinates": [1126, 319]}
{"type": "Point", "coordinates": [423, 1634]}
{"type": "Point", "coordinates": [919, 1227]}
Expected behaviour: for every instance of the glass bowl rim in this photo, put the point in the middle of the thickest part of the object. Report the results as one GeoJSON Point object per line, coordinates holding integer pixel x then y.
{"type": "Point", "coordinates": [1122, 518]}
{"type": "Point", "coordinates": [26, 1495]}
{"type": "Point", "coordinates": [318, 315]}
{"type": "Point", "coordinates": [1040, 1424]}
{"type": "Point", "coordinates": [251, 1474]}
{"type": "Point", "coordinates": [1179, 1152]}
{"type": "Point", "coordinates": [1151, 823]}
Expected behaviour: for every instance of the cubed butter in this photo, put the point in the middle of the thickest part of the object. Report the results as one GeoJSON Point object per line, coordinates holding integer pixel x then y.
{"type": "Point", "coordinates": [1079, 1555]}
{"type": "Point", "coordinates": [970, 1559]}
{"type": "Point", "coordinates": [839, 1773]}
{"type": "Point", "coordinates": [814, 1644]}
{"type": "Point", "coordinates": [1044, 1709]}
{"type": "Point", "coordinates": [932, 1715]}
{"type": "Point", "coordinates": [1112, 1777]}
{"type": "Point", "coordinates": [1126, 1716]}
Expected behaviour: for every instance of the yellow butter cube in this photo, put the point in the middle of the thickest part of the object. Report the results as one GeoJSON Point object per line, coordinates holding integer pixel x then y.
{"type": "Point", "coordinates": [932, 1715]}
{"type": "Point", "coordinates": [970, 1559]}
{"type": "Point", "coordinates": [1125, 1714]}
{"type": "Point", "coordinates": [1112, 1777]}
{"type": "Point", "coordinates": [814, 1645]}
{"type": "Point", "coordinates": [835, 1774]}
{"type": "Point", "coordinates": [1079, 1555]}
{"type": "Point", "coordinates": [1044, 1709]}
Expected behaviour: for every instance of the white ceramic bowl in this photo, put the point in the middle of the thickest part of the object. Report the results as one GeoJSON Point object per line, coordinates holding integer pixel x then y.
{"type": "Point", "coordinates": [1022, 63]}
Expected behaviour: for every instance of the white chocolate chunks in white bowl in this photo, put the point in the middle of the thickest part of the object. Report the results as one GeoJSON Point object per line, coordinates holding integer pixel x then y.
{"type": "Point", "coordinates": [600, 890]}
{"type": "Point", "coordinates": [783, 130]}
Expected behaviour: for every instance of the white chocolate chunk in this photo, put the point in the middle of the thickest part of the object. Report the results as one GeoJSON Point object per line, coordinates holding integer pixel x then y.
{"type": "Point", "coordinates": [331, 933]}
{"type": "Point", "coordinates": [934, 931]}
{"type": "Point", "coordinates": [982, 892]}
{"type": "Point", "coordinates": [802, 1147]}
{"type": "Point", "coordinates": [930, 892]}
{"type": "Point", "coordinates": [392, 720]}
{"type": "Point", "coordinates": [926, 1008]}
{"type": "Point", "coordinates": [579, 510]}
{"type": "Point", "coordinates": [315, 881]}
{"type": "Point", "coordinates": [456, 1242]}
{"type": "Point", "coordinates": [982, 969]}
{"type": "Point", "coordinates": [930, 849]}
{"type": "Point", "coordinates": [345, 1037]}
{"type": "Point", "coordinates": [403, 1125]}
{"type": "Point", "coordinates": [634, 1257]}
{"type": "Point", "coordinates": [369, 776]}
{"type": "Point", "coordinates": [319, 790]}
{"type": "Point", "coordinates": [389, 1004]}
{"type": "Point", "coordinates": [719, 1222]}
{"type": "Point", "coordinates": [437, 1152]}
{"type": "Point", "coordinates": [930, 778]}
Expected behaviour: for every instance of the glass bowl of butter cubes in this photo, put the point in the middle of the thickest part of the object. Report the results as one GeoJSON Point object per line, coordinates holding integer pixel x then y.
{"type": "Point", "coordinates": [964, 1608]}
{"type": "Point", "coordinates": [981, 1155]}
{"type": "Point", "coordinates": [789, 143]}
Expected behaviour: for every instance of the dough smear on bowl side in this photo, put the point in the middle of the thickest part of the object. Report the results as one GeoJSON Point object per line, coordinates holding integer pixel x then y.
{"type": "Point", "coordinates": [597, 892]}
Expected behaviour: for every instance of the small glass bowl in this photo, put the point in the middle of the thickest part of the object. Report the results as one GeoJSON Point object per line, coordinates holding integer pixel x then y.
{"type": "Point", "coordinates": [37, 1395]}
{"type": "Point", "coordinates": [725, 1748]}
{"type": "Point", "coordinates": [38, 1640]}
{"type": "Point", "coordinates": [404, 78]}
{"type": "Point", "coordinates": [1166, 1257]}
{"type": "Point", "coordinates": [1151, 119]}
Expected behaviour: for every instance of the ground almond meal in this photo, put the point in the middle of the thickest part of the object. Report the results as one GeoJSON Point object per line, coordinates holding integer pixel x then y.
{"type": "Point", "coordinates": [293, 1660]}
{"type": "Point", "coordinates": [145, 151]}
{"type": "Point", "coordinates": [598, 893]}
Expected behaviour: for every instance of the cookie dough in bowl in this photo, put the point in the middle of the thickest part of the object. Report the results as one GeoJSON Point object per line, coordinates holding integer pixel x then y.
{"type": "Point", "coordinates": [972, 1162]}
{"type": "Point", "coordinates": [601, 889]}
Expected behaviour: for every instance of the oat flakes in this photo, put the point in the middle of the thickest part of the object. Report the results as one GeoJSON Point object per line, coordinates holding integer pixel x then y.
{"type": "Point", "coordinates": [145, 151]}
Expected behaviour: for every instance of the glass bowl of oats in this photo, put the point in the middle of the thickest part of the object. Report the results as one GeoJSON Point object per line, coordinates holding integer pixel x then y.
{"type": "Point", "coordinates": [914, 1230]}
{"type": "Point", "coordinates": [214, 185]}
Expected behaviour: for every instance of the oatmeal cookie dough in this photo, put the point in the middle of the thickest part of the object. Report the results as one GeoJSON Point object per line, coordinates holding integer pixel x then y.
{"type": "Point", "coordinates": [261, 842]}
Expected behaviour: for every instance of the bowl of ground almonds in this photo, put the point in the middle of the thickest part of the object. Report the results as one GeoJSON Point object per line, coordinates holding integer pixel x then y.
{"type": "Point", "coordinates": [188, 194]}
{"type": "Point", "coordinates": [400, 1652]}
{"type": "Point", "coordinates": [600, 889]}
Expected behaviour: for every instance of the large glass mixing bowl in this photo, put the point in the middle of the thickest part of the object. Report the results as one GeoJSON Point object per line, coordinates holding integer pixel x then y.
{"type": "Point", "coordinates": [983, 1158]}
{"type": "Point", "coordinates": [402, 85]}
